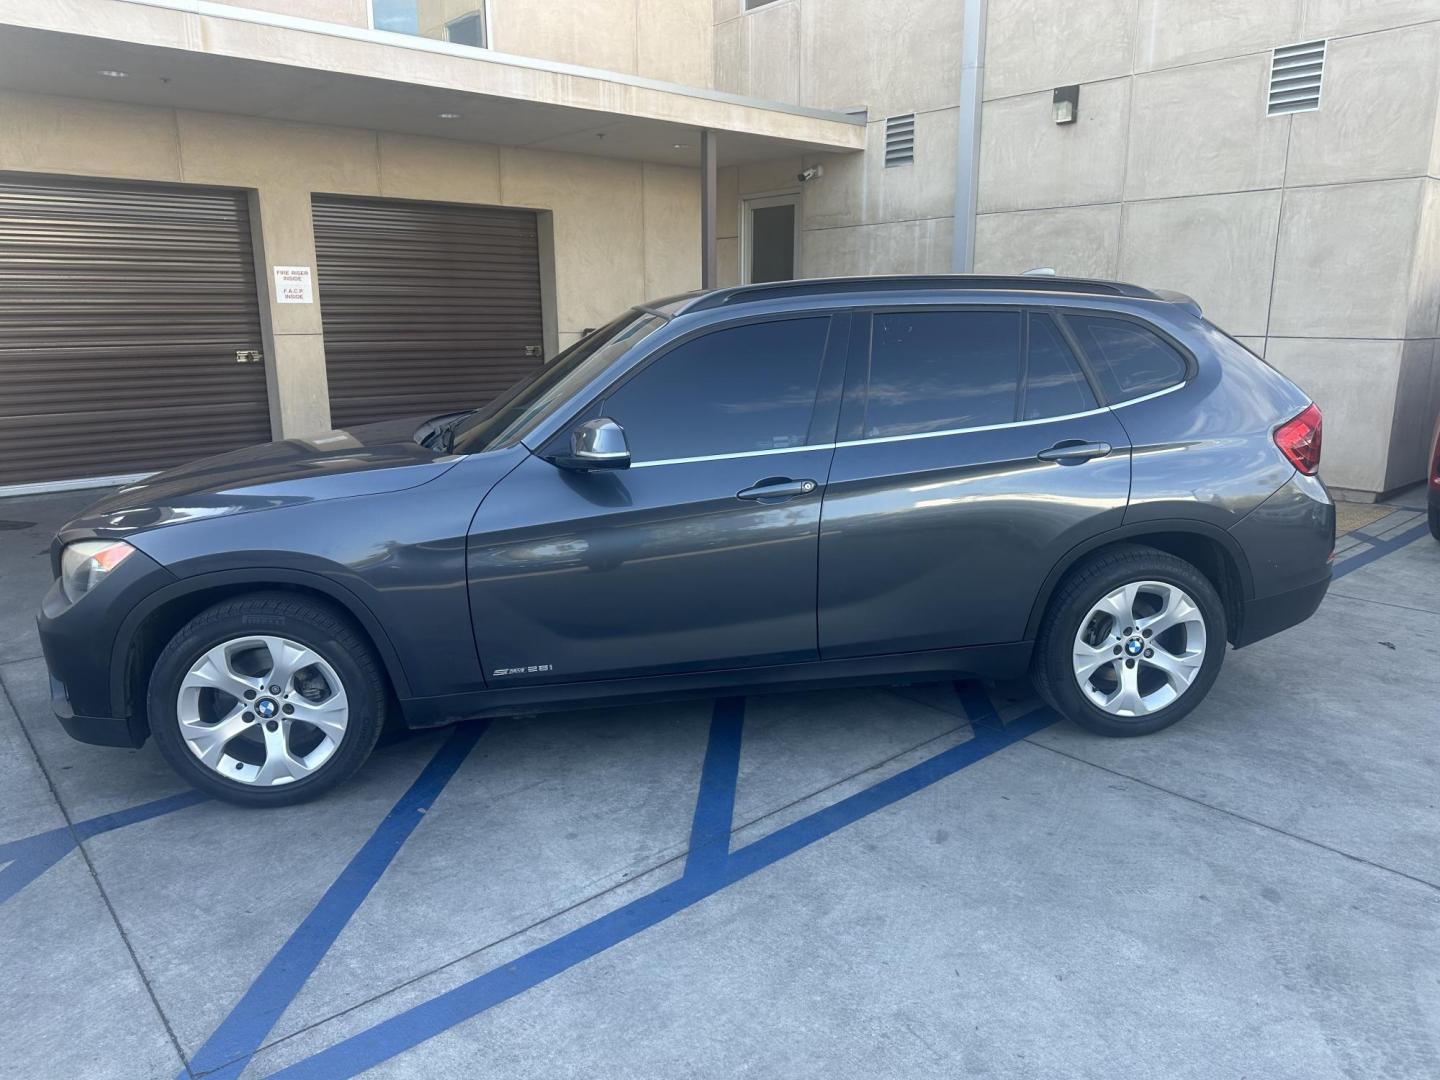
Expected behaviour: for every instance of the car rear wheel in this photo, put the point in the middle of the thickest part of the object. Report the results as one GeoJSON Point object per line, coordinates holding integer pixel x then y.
{"type": "Point", "coordinates": [1132, 642]}
{"type": "Point", "coordinates": [266, 700]}
{"type": "Point", "coordinates": [1435, 522]}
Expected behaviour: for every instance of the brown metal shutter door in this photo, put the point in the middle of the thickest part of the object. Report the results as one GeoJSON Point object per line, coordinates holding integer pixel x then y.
{"type": "Point", "coordinates": [121, 309]}
{"type": "Point", "coordinates": [427, 307]}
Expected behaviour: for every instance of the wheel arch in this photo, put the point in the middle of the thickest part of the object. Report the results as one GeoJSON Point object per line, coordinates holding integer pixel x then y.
{"type": "Point", "coordinates": [152, 623]}
{"type": "Point", "coordinates": [1210, 549]}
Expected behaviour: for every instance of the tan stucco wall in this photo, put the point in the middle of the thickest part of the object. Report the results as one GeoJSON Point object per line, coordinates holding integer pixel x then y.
{"type": "Point", "coordinates": [660, 39]}
{"type": "Point", "coordinates": [623, 231]}
{"type": "Point", "coordinates": [348, 12]}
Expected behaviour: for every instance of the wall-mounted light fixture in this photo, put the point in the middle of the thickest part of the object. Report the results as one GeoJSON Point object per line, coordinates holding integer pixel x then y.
{"type": "Point", "coordinates": [1067, 104]}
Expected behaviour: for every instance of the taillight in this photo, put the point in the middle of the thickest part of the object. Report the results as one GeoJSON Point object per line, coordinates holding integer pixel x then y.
{"type": "Point", "coordinates": [1299, 440]}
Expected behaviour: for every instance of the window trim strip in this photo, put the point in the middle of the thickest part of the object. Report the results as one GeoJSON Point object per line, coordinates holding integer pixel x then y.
{"type": "Point", "coordinates": [908, 438]}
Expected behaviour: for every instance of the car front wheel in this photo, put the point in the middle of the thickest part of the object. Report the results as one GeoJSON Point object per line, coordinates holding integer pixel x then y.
{"type": "Point", "coordinates": [266, 700]}
{"type": "Point", "coordinates": [1132, 642]}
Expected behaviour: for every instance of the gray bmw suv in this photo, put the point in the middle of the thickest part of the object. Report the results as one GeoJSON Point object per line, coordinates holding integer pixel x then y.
{"type": "Point", "coordinates": [769, 486]}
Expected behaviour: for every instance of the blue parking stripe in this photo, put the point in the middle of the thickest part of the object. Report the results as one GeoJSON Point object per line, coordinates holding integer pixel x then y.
{"type": "Point", "coordinates": [1378, 550]}
{"type": "Point", "coordinates": [28, 865]}
{"type": "Point", "coordinates": [31, 856]}
{"type": "Point", "coordinates": [422, 1022]}
{"type": "Point", "coordinates": [715, 805]}
{"type": "Point", "coordinates": [979, 709]}
{"type": "Point", "coordinates": [84, 830]}
{"type": "Point", "coordinates": [229, 1049]}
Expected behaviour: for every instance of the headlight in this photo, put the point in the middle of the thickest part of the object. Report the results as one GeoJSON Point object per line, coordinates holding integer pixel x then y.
{"type": "Point", "coordinates": [86, 563]}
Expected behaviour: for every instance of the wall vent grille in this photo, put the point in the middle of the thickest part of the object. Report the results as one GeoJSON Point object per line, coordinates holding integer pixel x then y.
{"type": "Point", "coordinates": [1295, 75]}
{"type": "Point", "coordinates": [899, 140]}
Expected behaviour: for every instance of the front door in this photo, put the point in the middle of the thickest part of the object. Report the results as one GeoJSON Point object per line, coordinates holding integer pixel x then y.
{"type": "Point", "coordinates": [973, 455]}
{"type": "Point", "coordinates": [703, 553]}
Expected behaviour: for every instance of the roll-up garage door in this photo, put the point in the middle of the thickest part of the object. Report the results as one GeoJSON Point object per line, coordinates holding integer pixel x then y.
{"type": "Point", "coordinates": [122, 309]}
{"type": "Point", "coordinates": [427, 307]}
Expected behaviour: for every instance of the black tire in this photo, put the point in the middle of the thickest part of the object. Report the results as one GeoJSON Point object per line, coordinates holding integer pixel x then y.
{"type": "Point", "coordinates": [1435, 522]}
{"type": "Point", "coordinates": [1052, 669]}
{"type": "Point", "coordinates": [312, 624]}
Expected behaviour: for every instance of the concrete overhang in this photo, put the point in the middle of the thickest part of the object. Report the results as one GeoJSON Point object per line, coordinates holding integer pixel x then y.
{"type": "Point", "coordinates": [189, 54]}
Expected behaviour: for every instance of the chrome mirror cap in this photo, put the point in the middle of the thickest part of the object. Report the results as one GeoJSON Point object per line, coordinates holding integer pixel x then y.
{"type": "Point", "coordinates": [596, 444]}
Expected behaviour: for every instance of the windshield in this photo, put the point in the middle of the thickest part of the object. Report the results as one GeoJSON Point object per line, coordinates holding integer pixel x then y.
{"type": "Point", "coordinates": [548, 387]}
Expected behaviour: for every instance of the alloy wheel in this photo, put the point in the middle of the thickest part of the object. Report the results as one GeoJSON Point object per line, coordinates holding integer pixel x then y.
{"type": "Point", "coordinates": [262, 710]}
{"type": "Point", "coordinates": [1140, 647]}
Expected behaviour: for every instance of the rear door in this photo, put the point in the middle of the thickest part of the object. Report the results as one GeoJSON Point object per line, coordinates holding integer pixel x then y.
{"type": "Point", "coordinates": [973, 454]}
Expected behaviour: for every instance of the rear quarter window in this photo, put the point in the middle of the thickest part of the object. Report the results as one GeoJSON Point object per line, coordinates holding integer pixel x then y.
{"type": "Point", "coordinates": [1128, 359]}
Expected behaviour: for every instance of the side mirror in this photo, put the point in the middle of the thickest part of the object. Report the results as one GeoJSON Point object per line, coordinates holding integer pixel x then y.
{"type": "Point", "coordinates": [596, 444]}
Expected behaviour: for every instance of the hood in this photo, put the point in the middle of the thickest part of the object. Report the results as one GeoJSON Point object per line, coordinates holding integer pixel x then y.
{"type": "Point", "coordinates": [366, 460]}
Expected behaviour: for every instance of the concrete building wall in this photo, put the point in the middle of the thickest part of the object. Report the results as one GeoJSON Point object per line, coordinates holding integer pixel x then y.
{"type": "Point", "coordinates": [1313, 237]}
{"type": "Point", "coordinates": [890, 59]}
{"type": "Point", "coordinates": [659, 39]}
{"type": "Point", "coordinates": [622, 231]}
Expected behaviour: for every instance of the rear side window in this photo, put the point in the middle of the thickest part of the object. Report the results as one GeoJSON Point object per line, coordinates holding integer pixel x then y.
{"type": "Point", "coordinates": [739, 389]}
{"type": "Point", "coordinates": [1128, 359]}
{"type": "Point", "coordinates": [1054, 383]}
{"type": "Point", "coordinates": [937, 370]}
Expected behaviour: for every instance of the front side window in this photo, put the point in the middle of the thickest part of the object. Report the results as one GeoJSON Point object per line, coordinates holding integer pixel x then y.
{"type": "Point", "coordinates": [550, 386]}
{"type": "Point", "coordinates": [734, 390]}
{"type": "Point", "coordinates": [939, 370]}
{"type": "Point", "coordinates": [1128, 359]}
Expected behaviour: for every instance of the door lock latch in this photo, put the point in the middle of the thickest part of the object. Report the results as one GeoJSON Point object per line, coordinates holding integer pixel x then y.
{"type": "Point", "coordinates": [534, 350]}
{"type": "Point", "coordinates": [248, 356]}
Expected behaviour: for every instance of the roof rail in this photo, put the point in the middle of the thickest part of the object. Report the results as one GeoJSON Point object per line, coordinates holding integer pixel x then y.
{"type": "Point", "coordinates": [739, 294]}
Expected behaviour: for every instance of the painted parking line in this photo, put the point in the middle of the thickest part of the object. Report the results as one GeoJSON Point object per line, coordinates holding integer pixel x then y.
{"type": "Point", "coordinates": [710, 867]}
{"type": "Point", "coordinates": [31, 856]}
{"type": "Point", "coordinates": [1378, 549]}
{"type": "Point", "coordinates": [715, 805]}
{"type": "Point", "coordinates": [240, 1034]}
{"type": "Point", "coordinates": [422, 1022]}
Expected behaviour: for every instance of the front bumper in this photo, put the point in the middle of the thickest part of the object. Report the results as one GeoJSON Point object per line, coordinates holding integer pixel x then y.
{"type": "Point", "coordinates": [97, 730]}
{"type": "Point", "coordinates": [87, 662]}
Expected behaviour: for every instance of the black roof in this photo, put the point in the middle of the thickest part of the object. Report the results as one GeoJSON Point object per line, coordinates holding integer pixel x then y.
{"type": "Point", "coordinates": [773, 290]}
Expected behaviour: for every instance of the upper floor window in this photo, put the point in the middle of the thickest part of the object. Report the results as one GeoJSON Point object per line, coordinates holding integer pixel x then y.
{"type": "Point", "coordinates": [459, 22]}
{"type": "Point", "coordinates": [1128, 359]}
{"type": "Point", "coordinates": [467, 30]}
{"type": "Point", "coordinates": [751, 5]}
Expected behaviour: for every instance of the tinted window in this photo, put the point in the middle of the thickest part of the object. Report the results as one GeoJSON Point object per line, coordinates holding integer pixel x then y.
{"type": "Point", "coordinates": [549, 386]}
{"type": "Point", "coordinates": [743, 388]}
{"type": "Point", "coordinates": [1054, 383]}
{"type": "Point", "coordinates": [1128, 359]}
{"type": "Point", "coordinates": [936, 370]}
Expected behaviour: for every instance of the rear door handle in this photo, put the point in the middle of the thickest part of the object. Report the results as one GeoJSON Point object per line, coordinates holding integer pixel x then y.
{"type": "Point", "coordinates": [776, 489]}
{"type": "Point", "coordinates": [1073, 451]}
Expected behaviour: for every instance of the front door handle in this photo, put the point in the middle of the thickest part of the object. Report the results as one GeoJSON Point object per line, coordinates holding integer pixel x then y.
{"type": "Point", "coordinates": [776, 489]}
{"type": "Point", "coordinates": [1074, 451]}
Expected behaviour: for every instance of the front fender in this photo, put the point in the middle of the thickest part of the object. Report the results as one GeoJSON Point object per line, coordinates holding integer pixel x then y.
{"type": "Point", "coordinates": [230, 581]}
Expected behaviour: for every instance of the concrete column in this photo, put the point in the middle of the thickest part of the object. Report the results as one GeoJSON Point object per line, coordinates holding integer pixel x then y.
{"type": "Point", "coordinates": [709, 265]}
{"type": "Point", "coordinates": [294, 343]}
{"type": "Point", "coordinates": [967, 149]}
